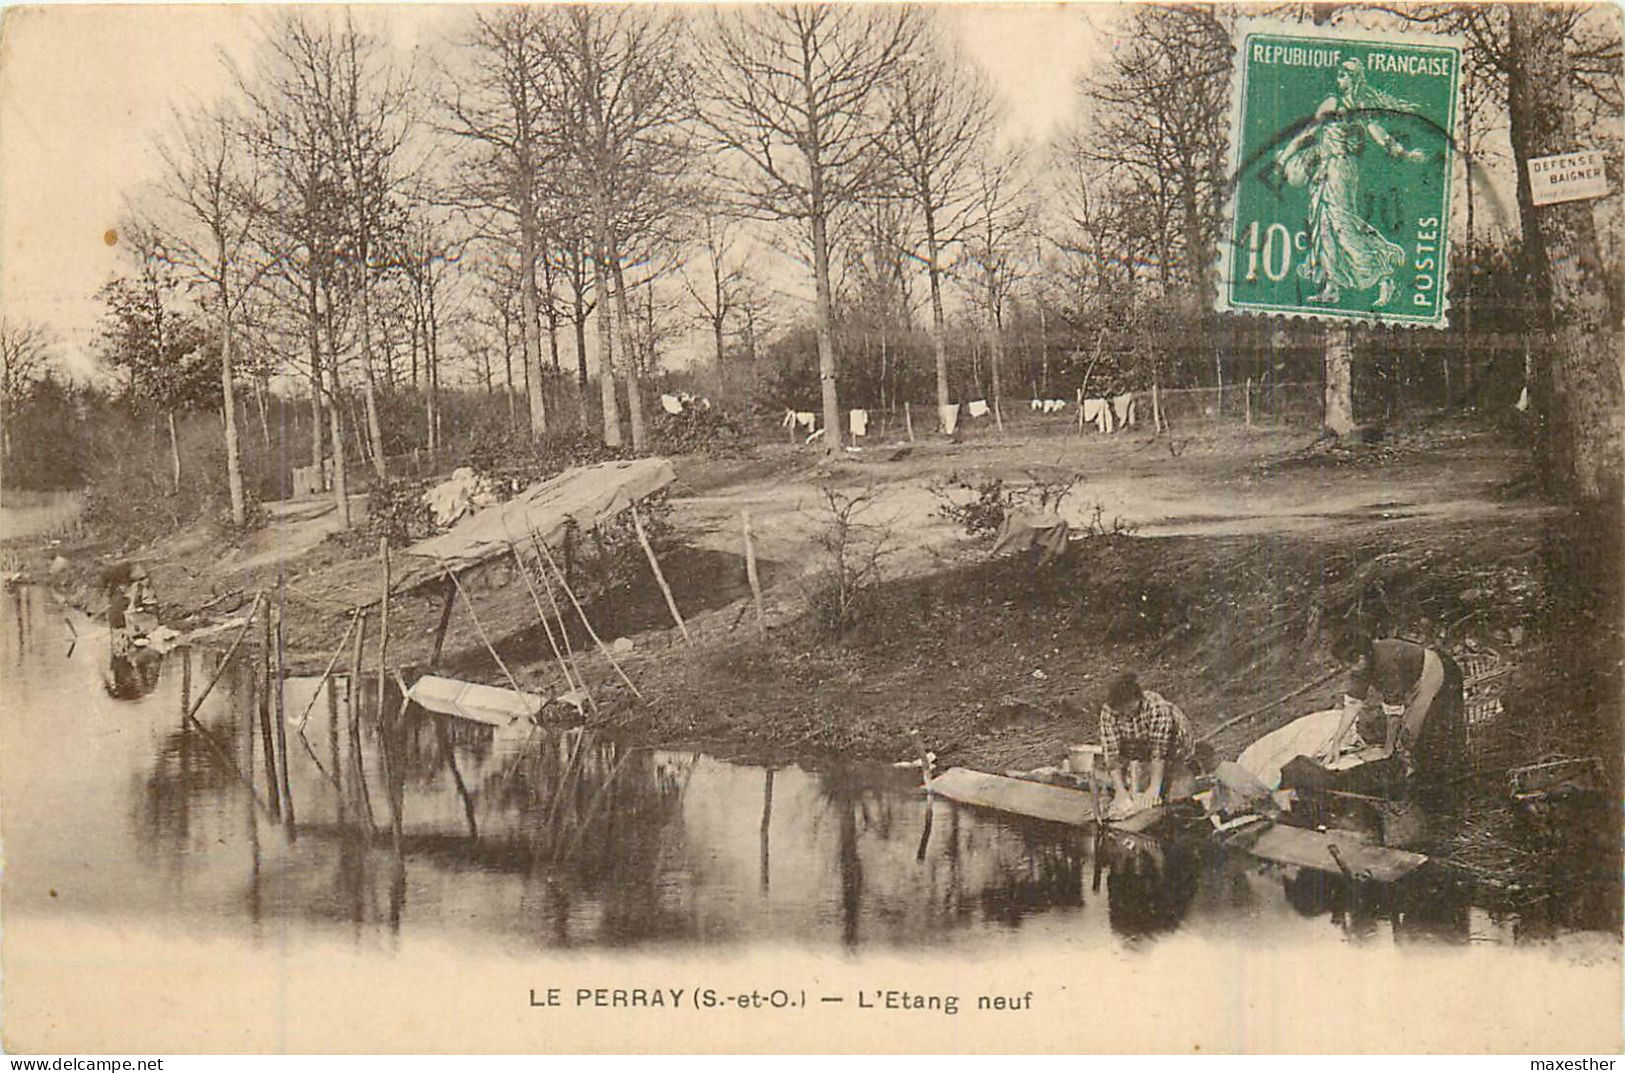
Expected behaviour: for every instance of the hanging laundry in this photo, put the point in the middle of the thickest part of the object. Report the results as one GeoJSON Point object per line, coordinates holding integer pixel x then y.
{"type": "Point", "coordinates": [816, 435]}
{"type": "Point", "coordinates": [978, 408]}
{"type": "Point", "coordinates": [1039, 404]}
{"type": "Point", "coordinates": [1123, 409]}
{"type": "Point", "coordinates": [806, 418]}
{"type": "Point", "coordinates": [859, 421]}
{"type": "Point", "coordinates": [671, 404]}
{"type": "Point", "coordinates": [1100, 412]}
{"type": "Point", "coordinates": [1522, 405]}
{"type": "Point", "coordinates": [1054, 406]}
{"type": "Point", "coordinates": [950, 417]}
{"type": "Point", "coordinates": [789, 419]}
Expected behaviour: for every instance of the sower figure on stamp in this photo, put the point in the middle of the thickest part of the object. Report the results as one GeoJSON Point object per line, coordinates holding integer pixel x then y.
{"type": "Point", "coordinates": [1345, 250]}
{"type": "Point", "coordinates": [1138, 727]}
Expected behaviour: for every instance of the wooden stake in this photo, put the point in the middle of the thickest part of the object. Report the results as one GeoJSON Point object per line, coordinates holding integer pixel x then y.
{"type": "Point", "coordinates": [267, 744]}
{"type": "Point", "coordinates": [1249, 406]}
{"type": "Point", "coordinates": [585, 621]}
{"type": "Point", "coordinates": [564, 634]}
{"type": "Point", "coordinates": [282, 730]}
{"type": "Point", "coordinates": [547, 627]}
{"type": "Point", "coordinates": [925, 760]}
{"type": "Point", "coordinates": [660, 577]}
{"type": "Point", "coordinates": [383, 625]}
{"type": "Point", "coordinates": [226, 659]}
{"type": "Point", "coordinates": [480, 629]}
{"type": "Point", "coordinates": [337, 651]}
{"type": "Point", "coordinates": [750, 573]}
{"type": "Point", "coordinates": [443, 625]}
{"type": "Point", "coordinates": [353, 702]}
{"type": "Point", "coordinates": [908, 422]}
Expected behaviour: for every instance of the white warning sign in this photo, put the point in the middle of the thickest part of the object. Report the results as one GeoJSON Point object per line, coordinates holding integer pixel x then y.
{"type": "Point", "coordinates": [1567, 177]}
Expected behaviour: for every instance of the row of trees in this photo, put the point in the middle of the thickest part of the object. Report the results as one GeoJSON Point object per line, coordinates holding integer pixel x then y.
{"type": "Point", "coordinates": [349, 219]}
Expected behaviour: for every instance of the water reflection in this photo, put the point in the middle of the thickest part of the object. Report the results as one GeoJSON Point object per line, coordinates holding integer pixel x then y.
{"type": "Point", "coordinates": [564, 838]}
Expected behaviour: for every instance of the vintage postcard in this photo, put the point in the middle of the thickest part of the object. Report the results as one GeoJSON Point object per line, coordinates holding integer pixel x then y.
{"type": "Point", "coordinates": [841, 528]}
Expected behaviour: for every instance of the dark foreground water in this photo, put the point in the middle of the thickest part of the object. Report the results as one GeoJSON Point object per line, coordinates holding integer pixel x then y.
{"type": "Point", "coordinates": [116, 811]}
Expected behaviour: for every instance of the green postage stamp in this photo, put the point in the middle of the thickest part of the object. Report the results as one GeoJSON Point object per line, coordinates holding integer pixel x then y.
{"type": "Point", "coordinates": [1342, 150]}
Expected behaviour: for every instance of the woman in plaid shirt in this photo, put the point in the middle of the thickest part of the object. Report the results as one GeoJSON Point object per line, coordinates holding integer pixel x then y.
{"type": "Point", "coordinates": [1138, 725]}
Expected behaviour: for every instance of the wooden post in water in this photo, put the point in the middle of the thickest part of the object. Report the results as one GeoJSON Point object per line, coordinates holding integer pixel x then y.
{"type": "Point", "coordinates": [660, 577]}
{"type": "Point", "coordinates": [267, 746]}
{"type": "Point", "coordinates": [450, 591]}
{"type": "Point", "coordinates": [383, 627]}
{"type": "Point", "coordinates": [353, 702]}
{"type": "Point", "coordinates": [282, 726]}
{"type": "Point", "coordinates": [386, 731]}
{"type": "Point", "coordinates": [750, 573]}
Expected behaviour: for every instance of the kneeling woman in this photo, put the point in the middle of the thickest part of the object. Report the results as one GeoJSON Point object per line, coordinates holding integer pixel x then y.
{"type": "Point", "coordinates": [1426, 743]}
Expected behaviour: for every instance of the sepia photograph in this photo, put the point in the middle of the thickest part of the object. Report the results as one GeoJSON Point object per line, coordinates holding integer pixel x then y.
{"type": "Point", "coordinates": [822, 528]}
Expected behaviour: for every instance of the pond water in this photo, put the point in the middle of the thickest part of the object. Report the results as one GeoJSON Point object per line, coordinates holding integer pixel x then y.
{"type": "Point", "coordinates": [117, 810]}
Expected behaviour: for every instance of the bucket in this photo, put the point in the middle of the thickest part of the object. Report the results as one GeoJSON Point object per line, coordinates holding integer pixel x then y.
{"type": "Point", "coordinates": [1082, 759]}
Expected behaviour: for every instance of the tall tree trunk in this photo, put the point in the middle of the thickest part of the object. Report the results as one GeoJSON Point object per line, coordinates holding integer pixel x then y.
{"type": "Point", "coordinates": [530, 330]}
{"type": "Point", "coordinates": [369, 385]}
{"type": "Point", "coordinates": [629, 355]}
{"type": "Point", "coordinates": [265, 420]}
{"type": "Point", "coordinates": [1583, 405]}
{"type": "Point", "coordinates": [1043, 348]}
{"type": "Point", "coordinates": [552, 314]}
{"type": "Point", "coordinates": [335, 422]}
{"type": "Point", "coordinates": [1339, 418]}
{"type": "Point", "coordinates": [826, 334]}
{"type": "Point", "coordinates": [605, 342]}
{"type": "Point", "coordinates": [580, 325]}
{"type": "Point", "coordinates": [939, 331]}
{"type": "Point", "coordinates": [228, 400]}
{"type": "Point", "coordinates": [716, 338]}
{"type": "Point", "coordinates": [507, 369]}
{"type": "Point", "coordinates": [995, 345]}
{"type": "Point", "coordinates": [313, 342]}
{"type": "Point", "coordinates": [174, 455]}
{"type": "Point", "coordinates": [431, 350]}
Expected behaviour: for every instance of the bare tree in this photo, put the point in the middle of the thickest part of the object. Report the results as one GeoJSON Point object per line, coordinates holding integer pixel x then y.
{"type": "Point", "coordinates": [997, 226]}
{"type": "Point", "coordinates": [794, 94]}
{"type": "Point", "coordinates": [942, 124]}
{"type": "Point", "coordinates": [368, 117]}
{"type": "Point", "coordinates": [150, 339]}
{"type": "Point", "coordinates": [625, 97]}
{"type": "Point", "coordinates": [214, 192]}
{"type": "Point", "coordinates": [25, 352]}
{"type": "Point", "coordinates": [304, 223]}
{"type": "Point", "coordinates": [498, 108]}
{"type": "Point", "coordinates": [717, 293]}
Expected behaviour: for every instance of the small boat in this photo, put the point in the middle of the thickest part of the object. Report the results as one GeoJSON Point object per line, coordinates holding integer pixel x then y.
{"type": "Point", "coordinates": [1036, 800]}
{"type": "Point", "coordinates": [477, 703]}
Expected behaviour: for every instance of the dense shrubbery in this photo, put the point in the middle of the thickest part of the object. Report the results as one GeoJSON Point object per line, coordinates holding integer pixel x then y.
{"type": "Point", "coordinates": [698, 430]}
{"type": "Point", "coordinates": [396, 511]}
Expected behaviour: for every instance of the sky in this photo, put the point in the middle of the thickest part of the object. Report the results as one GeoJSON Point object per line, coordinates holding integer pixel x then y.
{"type": "Point", "coordinates": [84, 89]}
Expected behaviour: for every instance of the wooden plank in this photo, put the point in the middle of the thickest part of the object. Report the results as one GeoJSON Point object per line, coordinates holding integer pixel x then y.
{"type": "Point", "coordinates": [1040, 801]}
{"type": "Point", "coordinates": [1312, 849]}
